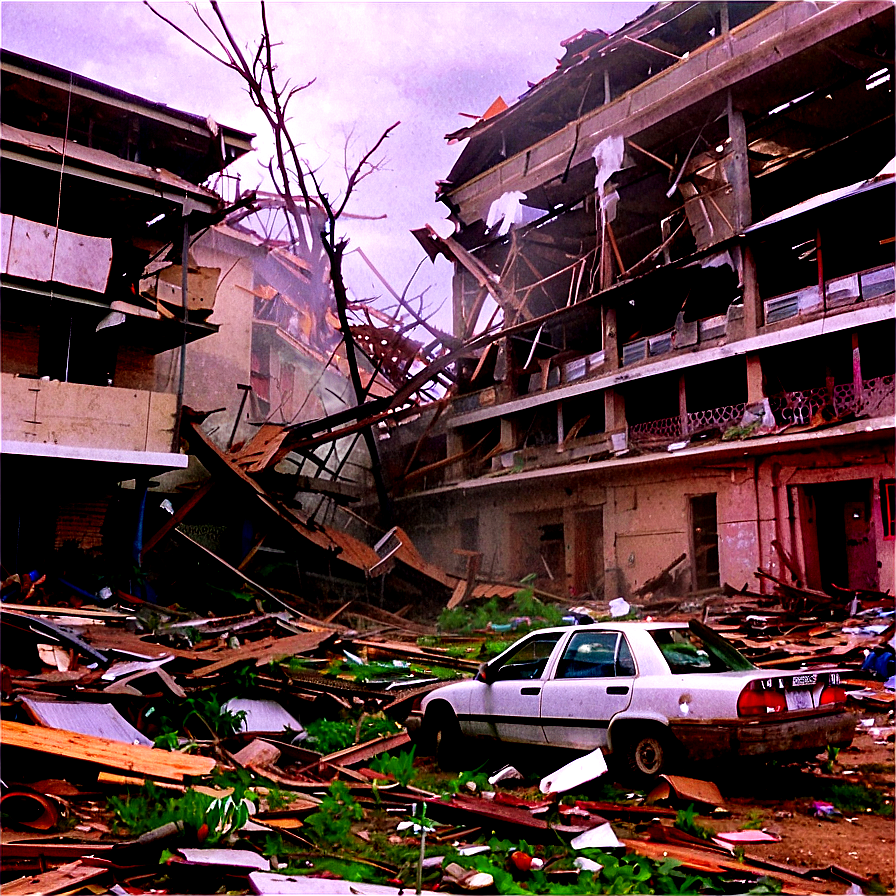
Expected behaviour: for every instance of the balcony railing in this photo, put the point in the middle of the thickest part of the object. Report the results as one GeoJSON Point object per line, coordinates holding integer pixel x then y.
{"type": "Point", "coordinates": [875, 399]}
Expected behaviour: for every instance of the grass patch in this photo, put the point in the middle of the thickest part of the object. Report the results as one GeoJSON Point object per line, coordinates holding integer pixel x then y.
{"type": "Point", "coordinates": [856, 798]}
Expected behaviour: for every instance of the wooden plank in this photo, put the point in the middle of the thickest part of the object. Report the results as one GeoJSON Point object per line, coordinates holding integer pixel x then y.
{"type": "Point", "coordinates": [129, 757]}
{"type": "Point", "coordinates": [63, 878]}
{"type": "Point", "coordinates": [264, 650]}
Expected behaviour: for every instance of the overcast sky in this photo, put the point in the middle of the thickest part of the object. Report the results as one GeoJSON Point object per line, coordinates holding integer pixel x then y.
{"type": "Point", "coordinates": [374, 64]}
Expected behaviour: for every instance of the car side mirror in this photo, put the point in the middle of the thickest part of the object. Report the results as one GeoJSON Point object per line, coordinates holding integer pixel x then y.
{"type": "Point", "coordinates": [482, 673]}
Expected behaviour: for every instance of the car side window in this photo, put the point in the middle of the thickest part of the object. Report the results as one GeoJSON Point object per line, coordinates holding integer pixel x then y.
{"type": "Point", "coordinates": [528, 660]}
{"type": "Point", "coordinates": [596, 655]}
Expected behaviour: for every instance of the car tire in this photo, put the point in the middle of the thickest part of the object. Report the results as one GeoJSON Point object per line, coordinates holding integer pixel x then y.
{"type": "Point", "coordinates": [645, 753]}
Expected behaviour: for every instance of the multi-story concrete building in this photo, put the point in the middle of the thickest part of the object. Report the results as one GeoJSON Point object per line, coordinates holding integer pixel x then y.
{"type": "Point", "coordinates": [686, 236]}
{"type": "Point", "coordinates": [102, 190]}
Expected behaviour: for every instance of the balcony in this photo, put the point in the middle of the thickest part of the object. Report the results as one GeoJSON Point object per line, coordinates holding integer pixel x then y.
{"type": "Point", "coordinates": [92, 422]}
{"type": "Point", "coordinates": [875, 399]}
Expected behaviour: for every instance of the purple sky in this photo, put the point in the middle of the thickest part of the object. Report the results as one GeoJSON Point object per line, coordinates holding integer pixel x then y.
{"type": "Point", "coordinates": [375, 63]}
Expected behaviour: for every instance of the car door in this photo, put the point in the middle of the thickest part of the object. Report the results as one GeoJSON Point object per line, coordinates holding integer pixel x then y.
{"type": "Point", "coordinates": [592, 682]}
{"type": "Point", "coordinates": [510, 700]}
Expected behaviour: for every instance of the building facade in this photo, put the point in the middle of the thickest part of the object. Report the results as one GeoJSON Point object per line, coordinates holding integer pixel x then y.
{"type": "Point", "coordinates": [686, 235]}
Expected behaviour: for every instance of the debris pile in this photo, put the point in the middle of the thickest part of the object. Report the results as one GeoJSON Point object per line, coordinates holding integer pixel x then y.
{"type": "Point", "coordinates": [148, 749]}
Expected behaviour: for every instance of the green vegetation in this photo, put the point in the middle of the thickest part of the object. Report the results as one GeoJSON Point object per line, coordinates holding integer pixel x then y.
{"type": "Point", "coordinates": [495, 612]}
{"type": "Point", "coordinates": [686, 820]}
{"type": "Point", "coordinates": [199, 715]}
{"type": "Point", "coordinates": [857, 798]}
{"type": "Point", "coordinates": [206, 819]}
{"type": "Point", "coordinates": [754, 821]}
{"type": "Point", "coordinates": [332, 735]}
{"type": "Point", "coordinates": [332, 822]}
{"type": "Point", "coordinates": [400, 766]}
{"type": "Point", "coordinates": [617, 875]}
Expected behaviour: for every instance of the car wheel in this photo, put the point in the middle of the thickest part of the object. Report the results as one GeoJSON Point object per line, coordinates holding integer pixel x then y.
{"type": "Point", "coordinates": [645, 754]}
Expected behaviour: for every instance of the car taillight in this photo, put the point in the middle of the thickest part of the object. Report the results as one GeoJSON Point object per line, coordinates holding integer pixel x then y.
{"type": "Point", "coordinates": [832, 696]}
{"type": "Point", "coordinates": [756, 701]}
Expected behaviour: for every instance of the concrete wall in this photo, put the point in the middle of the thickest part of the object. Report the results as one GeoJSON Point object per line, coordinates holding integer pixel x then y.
{"type": "Point", "coordinates": [646, 517]}
{"type": "Point", "coordinates": [216, 363]}
{"type": "Point", "coordinates": [78, 415]}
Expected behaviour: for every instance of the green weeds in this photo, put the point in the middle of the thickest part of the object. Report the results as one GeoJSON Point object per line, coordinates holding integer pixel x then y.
{"type": "Point", "coordinates": [857, 798]}
{"type": "Point", "coordinates": [400, 766]}
{"type": "Point", "coordinates": [332, 735]}
{"type": "Point", "coordinates": [686, 820]}
{"type": "Point", "coordinates": [206, 819]}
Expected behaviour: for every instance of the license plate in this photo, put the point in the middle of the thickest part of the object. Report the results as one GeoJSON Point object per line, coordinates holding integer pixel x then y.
{"type": "Point", "coordinates": [798, 699]}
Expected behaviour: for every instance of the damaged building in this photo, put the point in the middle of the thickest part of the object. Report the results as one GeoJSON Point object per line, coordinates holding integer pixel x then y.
{"type": "Point", "coordinates": [102, 192]}
{"type": "Point", "coordinates": [674, 278]}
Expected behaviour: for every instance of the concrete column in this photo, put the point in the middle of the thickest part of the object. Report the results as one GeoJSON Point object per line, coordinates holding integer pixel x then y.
{"type": "Point", "coordinates": [457, 301]}
{"type": "Point", "coordinates": [614, 411]}
{"type": "Point", "coordinates": [740, 173]}
{"type": "Point", "coordinates": [683, 404]}
{"type": "Point", "coordinates": [508, 433]}
{"type": "Point", "coordinates": [755, 392]}
{"type": "Point", "coordinates": [753, 316]}
{"type": "Point", "coordinates": [611, 338]}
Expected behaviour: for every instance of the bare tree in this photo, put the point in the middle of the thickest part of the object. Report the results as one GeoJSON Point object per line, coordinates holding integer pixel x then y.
{"type": "Point", "coordinates": [293, 177]}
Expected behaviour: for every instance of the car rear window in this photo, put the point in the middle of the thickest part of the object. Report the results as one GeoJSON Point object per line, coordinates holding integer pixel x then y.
{"type": "Point", "coordinates": [685, 651]}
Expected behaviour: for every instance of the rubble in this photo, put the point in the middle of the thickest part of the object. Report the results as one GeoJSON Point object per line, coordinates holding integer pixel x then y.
{"type": "Point", "coordinates": [264, 738]}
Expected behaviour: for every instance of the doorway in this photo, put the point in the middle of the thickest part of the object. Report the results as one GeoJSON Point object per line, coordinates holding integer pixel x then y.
{"type": "Point", "coordinates": [838, 536]}
{"type": "Point", "coordinates": [704, 542]}
{"type": "Point", "coordinates": [588, 553]}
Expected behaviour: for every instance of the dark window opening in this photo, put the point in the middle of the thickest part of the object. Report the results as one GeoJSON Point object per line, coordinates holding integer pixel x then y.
{"type": "Point", "coordinates": [877, 348]}
{"type": "Point", "coordinates": [716, 385]}
{"type": "Point", "coordinates": [583, 416]}
{"type": "Point", "coordinates": [653, 398]}
{"type": "Point", "coordinates": [807, 364]}
{"type": "Point", "coordinates": [705, 542]}
{"type": "Point", "coordinates": [537, 427]}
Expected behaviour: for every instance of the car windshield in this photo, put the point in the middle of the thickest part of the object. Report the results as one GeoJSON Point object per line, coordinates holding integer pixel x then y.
{"type": "Point", "coordinates": [688, 651]}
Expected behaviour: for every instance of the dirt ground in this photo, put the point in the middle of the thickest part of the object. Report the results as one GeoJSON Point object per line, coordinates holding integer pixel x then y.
{"type": "Point", "coordinates": [860, 842]}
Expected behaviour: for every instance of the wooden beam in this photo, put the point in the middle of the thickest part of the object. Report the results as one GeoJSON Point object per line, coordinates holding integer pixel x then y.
{"type": "Point", "coordinates": [177, 517]}
{"type": "Point", "coordinates": [146, 761]}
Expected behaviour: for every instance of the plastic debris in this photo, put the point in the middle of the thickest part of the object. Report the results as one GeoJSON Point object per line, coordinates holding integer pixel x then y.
{"type": "Point", "coordinates": [585, 768]}
{"type": "Point", "coordinates": [508, 773]}
{"type": "Point", "coordinates": [825, 810]}
{"type": "Point", "coordinates": [620, 607]}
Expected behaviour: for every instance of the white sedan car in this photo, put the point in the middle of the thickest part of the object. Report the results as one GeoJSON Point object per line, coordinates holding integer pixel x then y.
{"type": "Point", "coordinates": [650, 693]}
